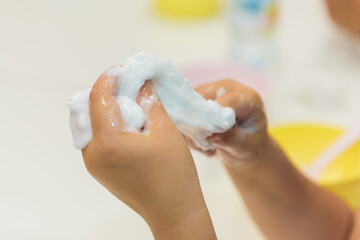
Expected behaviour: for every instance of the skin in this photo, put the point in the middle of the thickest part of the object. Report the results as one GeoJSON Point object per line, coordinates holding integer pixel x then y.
{"type": "Point", "coordinates": [153, 174]}
{"type": "Point", "coordinates": [284, 204]}
{"type": "Point", "coordinates": [346, 13]}
{"type": "Point", "coordinates": [356, 229]}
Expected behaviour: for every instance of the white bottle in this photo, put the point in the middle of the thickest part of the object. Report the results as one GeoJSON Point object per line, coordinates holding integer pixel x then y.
{"type": "Point", "coordinates": [253, 24]}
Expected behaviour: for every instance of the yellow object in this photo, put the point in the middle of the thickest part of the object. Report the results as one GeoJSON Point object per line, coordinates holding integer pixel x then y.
{"type": "Point", "coordinates": [187, 8]}
{"type": "Point", "coordinates": [303, 143]}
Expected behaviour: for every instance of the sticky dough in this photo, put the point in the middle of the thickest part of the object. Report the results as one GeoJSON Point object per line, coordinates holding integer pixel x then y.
{"type": "Point", "coordinates": [194, 116]}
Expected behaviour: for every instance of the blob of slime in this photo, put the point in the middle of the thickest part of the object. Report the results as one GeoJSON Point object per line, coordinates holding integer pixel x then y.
{"type": "Point", "coordinates": [194, 116]}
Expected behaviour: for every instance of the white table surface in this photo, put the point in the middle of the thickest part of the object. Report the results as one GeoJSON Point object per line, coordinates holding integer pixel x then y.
{"type": "Point", "coordinates": [50, 49]}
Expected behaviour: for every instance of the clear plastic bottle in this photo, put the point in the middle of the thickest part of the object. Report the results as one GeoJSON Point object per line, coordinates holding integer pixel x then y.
{"type": "Point", "coordinates": [253, 24]}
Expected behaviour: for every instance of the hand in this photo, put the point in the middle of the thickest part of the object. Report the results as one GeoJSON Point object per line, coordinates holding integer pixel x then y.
{"type": "Point", "coordinates": [244, 141]}
{"type": "Point", "coordinates": [346, 14]}
{"type": "Point", "coordinates": [153, 174]}
{"type": "Point", "coordinates": [283, 203]}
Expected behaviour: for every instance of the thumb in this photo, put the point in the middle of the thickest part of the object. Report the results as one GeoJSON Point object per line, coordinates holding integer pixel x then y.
{"type": "Point", "coordinates": [105, 113]}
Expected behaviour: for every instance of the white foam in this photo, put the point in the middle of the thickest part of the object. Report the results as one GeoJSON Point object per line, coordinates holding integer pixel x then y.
{"type": "Point", "coordinates": [221, 91]}
{"type": "Point", "coordinates": [195, 117]}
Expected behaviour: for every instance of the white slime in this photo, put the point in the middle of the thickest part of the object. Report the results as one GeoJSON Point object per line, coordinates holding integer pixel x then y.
{"type": "Point", "coordinates": [194, 116]}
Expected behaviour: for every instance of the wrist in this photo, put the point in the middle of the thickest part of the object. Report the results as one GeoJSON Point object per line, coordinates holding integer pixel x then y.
{"type": "Point", "coordinates": [196, 224]}
{"type": "Point", "coordinates": [267, 159]}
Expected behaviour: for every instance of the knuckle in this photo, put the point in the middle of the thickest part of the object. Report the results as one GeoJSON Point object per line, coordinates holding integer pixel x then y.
{"type": "Point", "coordinates": [256, 98]}
{"type": "Point", "coordinates": [97, 89]}
{"type": "Point", "coordinates": [228, 82]}
{"type": "Point", "coordinates": [94, 93]}
{"type": "Point", "coordinates": [254, 94]}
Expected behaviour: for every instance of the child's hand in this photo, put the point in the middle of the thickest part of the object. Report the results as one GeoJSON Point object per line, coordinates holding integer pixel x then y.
{"type": "Point", "coordinates": [244, 141]}
{"type": "Point", "coordinates": [346, 14]}
{"type": "Point", "coordinates": [153, 174]}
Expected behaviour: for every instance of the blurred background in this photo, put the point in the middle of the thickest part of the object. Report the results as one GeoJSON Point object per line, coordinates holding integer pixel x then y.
{"type": "Point", "coordinates": [303, 56]}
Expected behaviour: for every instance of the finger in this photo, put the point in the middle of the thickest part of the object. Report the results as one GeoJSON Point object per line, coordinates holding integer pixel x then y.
{"type": "Point", "coordinates": [213, 90]}
{"type": "Point", "coordinates": [105, 113]}
{"type": "Point", "coordinates": [228, 139]}
{"type": "Point", "coordinates": [249, 113]}
{"type": "Point", "coordinates": [158, 119]}
{"type": "Point", "coordinates": [243, 102]}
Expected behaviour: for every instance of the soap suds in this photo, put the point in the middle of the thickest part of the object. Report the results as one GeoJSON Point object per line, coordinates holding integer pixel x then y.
{"type": "Point", "coordinates": [194, 116]}
{"type": "Point", "coordinates": [220, 91]}
{"type": "Point", "coordinates": [79, 118]}
{"type": "Point", "coordinates": [131, 113]}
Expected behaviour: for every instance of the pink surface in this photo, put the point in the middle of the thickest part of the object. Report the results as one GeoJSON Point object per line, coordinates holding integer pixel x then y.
{"type": "Point", "coordinates": [200, 74]}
